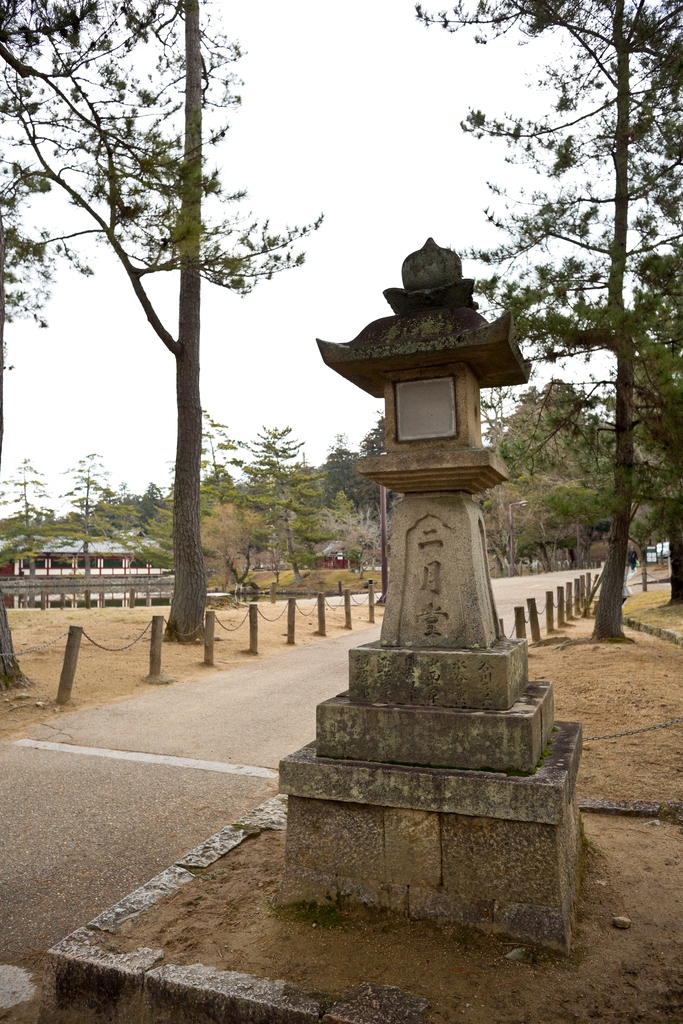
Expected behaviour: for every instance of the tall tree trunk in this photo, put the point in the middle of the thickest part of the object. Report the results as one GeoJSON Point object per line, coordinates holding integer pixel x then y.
{"type": "Point", "coordinates": [608, 618]}
{"type": "Point", "coordinates": [189, 596]}
{"type": "Point", "coordinates": [290, 552]}
{"type": "Point", "coordinates": [676, 556]}
{"type": "Point", "coordinates": [9, 666]}
{"type": "Point", "coordinates": [86, 559]}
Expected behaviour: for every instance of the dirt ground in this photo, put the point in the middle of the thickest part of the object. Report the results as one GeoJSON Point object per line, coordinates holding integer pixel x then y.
{"type": "Point", "coordinates": [633, 868]}
{"type": "Point", "coordinates": [613, 688]}
{"type": "Point", "coordinates": [106, 677]}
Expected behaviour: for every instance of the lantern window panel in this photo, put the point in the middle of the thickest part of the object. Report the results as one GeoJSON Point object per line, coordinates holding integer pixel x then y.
{"type": "Point", "coordinates": [425, 409]}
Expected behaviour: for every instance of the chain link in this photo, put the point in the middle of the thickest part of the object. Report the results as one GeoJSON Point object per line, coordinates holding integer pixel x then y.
{"type": "Point", "coordinates": [276, 617]}
{"type": "Point", "coordinates": [306, 615]}
{"type": "Point", "coordinates": [127, 646]}
{"type": "Point", "coordinates": [633, 732]}
{"type": "Point", "coordinates": [231, 629]}
{"type": "Point", "coordinates": [31, 650]}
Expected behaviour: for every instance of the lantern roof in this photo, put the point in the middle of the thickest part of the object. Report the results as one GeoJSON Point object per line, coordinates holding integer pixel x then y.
{"type": "Point", "coordinates": [426, 338]}
{"type": "Point", "coordinates": [435, 323]}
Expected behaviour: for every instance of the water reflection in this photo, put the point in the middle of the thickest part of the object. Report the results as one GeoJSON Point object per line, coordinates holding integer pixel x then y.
{"type": "Point", "coordinates": [98, 599]}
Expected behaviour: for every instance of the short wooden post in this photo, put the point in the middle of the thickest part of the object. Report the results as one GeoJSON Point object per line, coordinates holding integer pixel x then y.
{"type": "Point", "coordinates": [88, 603]}
{"type": "Point", "coordinates": [253, 628]}
{"type": "Point", "coordinates": [568, 602]}
{"type": "Point", "coordinates": [371, 601]}
{"type": "Point", "coordinates": [308, 590]}
{"type": "Point", "coordinates": [273, 593]}
{"type": "Point", "coordinates": [321, 614]}
{"type": "Point", "coordinates": [291, 619]}
{"type": "Point", "coordinates": [533, 619]}
{"type": "Point", "coordinates": [502, 627]}
{"type": "Point", "coordinates": [520, 624]}
{"type": "Point", "coordinates": [62, 600]}
{"type": "Point", "coordinates": [66, 680]}
{"type": "Point", "coordinates": [155, 645]}
{"type": "Point", "coordinates": [549, 612]}
{"type": "Point", "coordinates": [582, 595]}
{"type": "Point", "coordinates": [340, 587]}
{"type": "Point", "coordinates": [577, 598]}
{"type": "Point", "coordinates": [43, 600]}
{"type": "Point", "coordinates": [148, 600]}
{"type": "Point", "coordinates": [348, 624]}
{"type": "Point", "coordinates": [209, 630]}
{"type": "Point", "coordinates": [560, 608]}
{"type": "Point", "coordinates": [131, 599]}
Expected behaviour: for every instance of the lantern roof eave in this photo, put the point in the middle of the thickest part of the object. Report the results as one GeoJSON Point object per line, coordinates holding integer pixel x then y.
{"type": "Point", "coordinates": [427, 338]}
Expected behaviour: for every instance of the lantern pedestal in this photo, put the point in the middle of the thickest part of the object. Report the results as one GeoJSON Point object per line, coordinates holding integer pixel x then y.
{"type": "Point", "coordinates": [494, 852]}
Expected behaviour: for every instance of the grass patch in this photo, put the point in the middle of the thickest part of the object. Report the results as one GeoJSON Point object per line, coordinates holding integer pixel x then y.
{"type": "Point", "coordinates": [653, 607]}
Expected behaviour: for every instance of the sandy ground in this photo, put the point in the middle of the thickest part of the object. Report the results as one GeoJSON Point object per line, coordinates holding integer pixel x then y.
{"type": "Point", "coordinates": [614, 688]}
{"type": "Point", "coordinates": [633, 868]}
{"type": "Point", "coordinates": [107, 677]}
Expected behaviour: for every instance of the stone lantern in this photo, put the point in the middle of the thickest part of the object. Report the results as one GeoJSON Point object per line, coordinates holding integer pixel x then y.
{"type": "Point", "coordinates": [439, 785]}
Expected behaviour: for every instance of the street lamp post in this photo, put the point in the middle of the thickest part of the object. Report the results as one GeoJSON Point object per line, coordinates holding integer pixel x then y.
{"type": "Point", "coordinates": [512, 535]}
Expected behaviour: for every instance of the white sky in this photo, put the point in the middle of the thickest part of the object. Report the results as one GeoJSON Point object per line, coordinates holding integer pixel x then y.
{"type": "Point", "coordinates": [348, 109]}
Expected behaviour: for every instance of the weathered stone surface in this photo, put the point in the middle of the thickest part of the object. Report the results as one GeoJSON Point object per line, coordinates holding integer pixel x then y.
{"type": "Point", "coordinates": [500, 876]}
{"type": "Point", "coordinates": [511, 740]}
{"type": "Point", "coordinates": [505, 861]}
{"type": "Point", "coordinates": [338, 839]}
{"type": "Point", "coordinates": [541, 797]}
{"type": "Point", "coordinates": [272, 814]}
{"type": "Point", "coordinates": [203, 995]}
{"type": "Point", "coordinates": [440, 593]}
{"type": "Point", "coordinates": [458, 469]}
{"type": "Point", "coordinates": [412, 847]}
{"type": "Point", "coordinates": [629, 808]}
{"type": "Point", "coordinates": [377, 1004]}
{"type": "Point", "coordinates": [429, 338]}
{"type": "Point", "coordinates": [16, 986]}
{"type": "Point", "coordinates": [214, 847]}
{"type": "Point", "coordinates": [84, 984]}
{"type": "Point", "coordinates": [487, 680]}
{"type": "Point", "coordinates": [146, 896]}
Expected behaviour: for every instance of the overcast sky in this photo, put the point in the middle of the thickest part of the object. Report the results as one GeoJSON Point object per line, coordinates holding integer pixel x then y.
{"type": "Point", "coordinates": [352, 110]}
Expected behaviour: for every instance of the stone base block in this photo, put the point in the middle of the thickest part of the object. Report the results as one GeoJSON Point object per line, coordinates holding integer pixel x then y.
{"type": "Point", "coordinates": [491, 679]}
{"type": "Point", "coordinates": [492, 852]}
{"type": "Point", "coordinates": [511, 740]}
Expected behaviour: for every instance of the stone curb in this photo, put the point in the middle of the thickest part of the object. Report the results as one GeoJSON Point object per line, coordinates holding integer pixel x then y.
{"type": "Point", "coordinates": [670, 635]}
{"type": "Point", "coordinates": [633, 808]}
{"type": "Point", "coordinates": [85, 984]}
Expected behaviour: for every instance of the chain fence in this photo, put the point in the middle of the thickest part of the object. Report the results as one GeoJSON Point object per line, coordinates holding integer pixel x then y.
{"type": "Point", "coordinates": [32, 650]}
{"type": "Point", "coordinates": [125, 648]}
{"type": "Point", "coordinates": [633, 732]}
{"type": "Point", "coordinates": [232, 629]}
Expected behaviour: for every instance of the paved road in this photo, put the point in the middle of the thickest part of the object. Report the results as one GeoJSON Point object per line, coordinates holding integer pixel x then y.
{"type": "Point", "coordinates": [81, 831]}
{"type": "Point", "coordinates": [253, 715]}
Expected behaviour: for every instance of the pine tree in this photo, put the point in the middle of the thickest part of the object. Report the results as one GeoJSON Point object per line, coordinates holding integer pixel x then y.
{"type": "Point", "coordinates": [609, 159]}
{"type": "Point", "coordinates": [26, 531]}
{"type": "Point", "coordinates": [134, 171]}
{"type": "Point", "coordinates": [95, 515]}
{"type": "Point", "coordinates": [288, 494]}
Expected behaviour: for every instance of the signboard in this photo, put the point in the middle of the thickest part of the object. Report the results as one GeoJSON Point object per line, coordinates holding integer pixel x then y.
{"type": "Point", "coordinates": [651, 556]}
